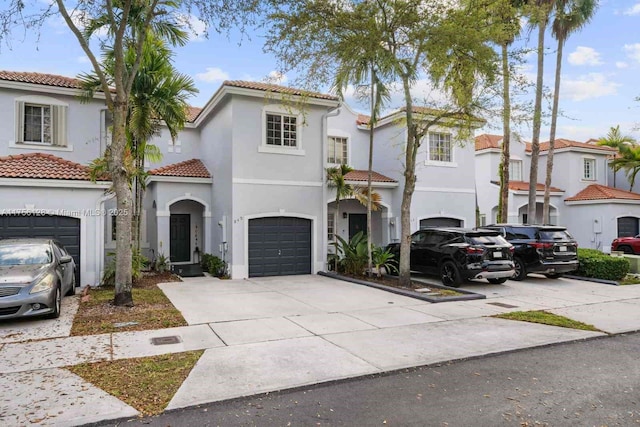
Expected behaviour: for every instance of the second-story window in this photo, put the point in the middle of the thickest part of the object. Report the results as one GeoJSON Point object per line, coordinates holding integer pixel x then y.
{"type": "Point", "coordinates": [282, 130]}
{"type": "Point", "coordinates": [39, 122]}
{"type": "Point", "coordinates": [337, 151]}
{"type": "Point", "coordinates": [440, 149]}
{"type": "Point", "coordinates": [589, 169]}
{"type": "Point", "coordinates": [515, 170]}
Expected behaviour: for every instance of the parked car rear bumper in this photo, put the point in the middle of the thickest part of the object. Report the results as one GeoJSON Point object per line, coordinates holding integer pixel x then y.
{"type": "Point", "coordinates": [555, 267]}
{"type": "Point", "coordinates": [491, 271]}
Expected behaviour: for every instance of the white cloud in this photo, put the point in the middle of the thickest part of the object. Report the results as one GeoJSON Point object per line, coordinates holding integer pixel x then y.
{"type": "Point", "coordinates": [584, 56]}
{"type": "Point", "coordinates": [579, 132]}
{"type": "Point", "coordinates": [196, 28]}
{"type": "Point", "coordinates": [592, 85]}
{"type": "Point", "coordinates": [621, 64]}
{"type": "Point", "coordinates": [212, 75]}
{"type": "Point", "coordinates": [276, 77]}
{"type": "Point", "coordinates": [633, 51]}
{"type": "Point", "coordinates": [633, 10]}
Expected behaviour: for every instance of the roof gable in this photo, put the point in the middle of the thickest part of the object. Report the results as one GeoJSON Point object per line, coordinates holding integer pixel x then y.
{"type": "Point", "coordinates": [602, 192]}
{"type": "Point", "coordinates": [43, 166]}
{"type": "Point", "coordinates": [193, 168]}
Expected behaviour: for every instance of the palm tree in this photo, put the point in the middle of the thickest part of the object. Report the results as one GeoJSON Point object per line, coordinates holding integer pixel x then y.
{"type": "Point", "coordinates": [158, 96]}
{"type": "Point", "coordinates": [629, 159]}
{"type": "Point", "coordinates": [571, 16]}
{"type": "Point", "coordinates": [336, 179]}
{"type": "Point", "coordinates": [540, 11]}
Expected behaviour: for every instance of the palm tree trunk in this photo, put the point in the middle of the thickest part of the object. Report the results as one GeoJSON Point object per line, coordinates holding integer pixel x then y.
{"type": "Point", "coordinates": [552, 135]}
{"type": "Point", "coordinates": [369, 174]}
{"type": "Point", "coordinates": [543, 12]}
{"type": "Point", "coordinates": [503, 204]}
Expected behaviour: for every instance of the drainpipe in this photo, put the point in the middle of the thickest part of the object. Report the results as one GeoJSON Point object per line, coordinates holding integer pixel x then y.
{"type": "Point", "coordinates": [331, 113]}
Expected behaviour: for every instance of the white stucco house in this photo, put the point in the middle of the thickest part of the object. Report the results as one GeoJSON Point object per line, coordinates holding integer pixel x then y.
{"type": "Point", "coordinates": [582, 197]}
{"type": "Point", "coordinates": [245, 180]}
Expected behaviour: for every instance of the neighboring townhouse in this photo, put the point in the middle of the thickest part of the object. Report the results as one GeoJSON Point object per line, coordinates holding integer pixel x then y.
{"type": "Point", "coordinates": [444, 193]}
{"type": "Point", "coordinates": [582, 198]}
{"type": "Point", "coordinates": [244, 180]}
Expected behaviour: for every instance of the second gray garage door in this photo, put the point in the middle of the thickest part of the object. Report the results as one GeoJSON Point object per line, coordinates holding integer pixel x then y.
{"type": "Point", "coordinates": [279, 246]}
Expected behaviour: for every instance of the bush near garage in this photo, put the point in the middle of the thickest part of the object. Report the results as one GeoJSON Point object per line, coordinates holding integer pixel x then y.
{"type": "Point", "coordinates": [598, 265]}
{"type": "Point", "coordinates": [213, 265]}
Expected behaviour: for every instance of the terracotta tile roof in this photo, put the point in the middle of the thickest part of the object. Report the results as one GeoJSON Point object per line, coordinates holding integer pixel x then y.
{"type": "Point", "coordinates": [362, 175]}
{"type": "Point", "coordinates": [268, 87]}
{"type": "Point", "coordinates": [193, 168]}
{"type": "Point", "coordinates": [486, 141]}
{"type": "Point", "coordinates": [602, 192]}
{"type": "Point", "coordinates": [567, 143]}
{"type": "Point", "coordinates": [363, 119]}
{"type": "Point", "coordinates": [40, 79]}
{"type": "Point", "coordinates": [43, 166]}
{"type": "Point", "coordinates": [192, 113]}
{"type": "Point", "coordinates": [524, 186]}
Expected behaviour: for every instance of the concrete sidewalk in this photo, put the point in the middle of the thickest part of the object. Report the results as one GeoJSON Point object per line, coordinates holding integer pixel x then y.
{"type": "Point", "coordinates": [277, 333]}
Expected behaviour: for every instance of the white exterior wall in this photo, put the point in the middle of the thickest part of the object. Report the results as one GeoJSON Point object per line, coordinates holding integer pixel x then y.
{"type": "Point", "coordinates": [185, 147]}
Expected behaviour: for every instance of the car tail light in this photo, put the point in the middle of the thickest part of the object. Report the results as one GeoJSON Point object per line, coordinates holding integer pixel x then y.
{"type": "Point", "coordinates": [539, 245]}
{"type": "Point", "coordinates": [474, 250]}
{"type": "Point", "coordinates": [512, 249]}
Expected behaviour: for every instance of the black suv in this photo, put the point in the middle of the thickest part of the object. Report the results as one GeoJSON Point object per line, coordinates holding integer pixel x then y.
{"type": "Point", "coordinates": [546, 249]}
{"type": "Point", "coordinates": [458, 254]}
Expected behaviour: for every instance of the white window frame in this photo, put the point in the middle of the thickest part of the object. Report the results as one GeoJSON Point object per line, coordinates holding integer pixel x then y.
{"type": "Point", "coordinates": [483, 220]}
{"type": "Point", "coordinates": [276, 109]}
{"type": "Point", "coordinates": [592, 162]}
{"type": "Point", "coordinates": [513, 163]}
{"type": "Point", "coordinates": [451, 162]}
{"type": "Point", "coordinates": [58, 111]}
{"type": "Point", "coordinates": [331, 226]}
{"type": "Point", "coordinates": [331, 139]}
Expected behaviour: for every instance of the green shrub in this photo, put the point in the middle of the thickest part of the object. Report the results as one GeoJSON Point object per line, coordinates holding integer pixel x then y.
{"type": "Point", "coordinates": [354, 256]}
{"type": "Point", "coordinates": [598, 265]}
{"type": "Point", "coordinates": [213, 265]}
{"type": "Point", "coordinates": [138, 263]}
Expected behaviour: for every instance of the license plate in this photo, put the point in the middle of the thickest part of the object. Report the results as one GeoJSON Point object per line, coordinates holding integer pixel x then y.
{"type": "Point", "coordinates": [497, 254]}
{"type": "Point", "coordinates": [562, 249]}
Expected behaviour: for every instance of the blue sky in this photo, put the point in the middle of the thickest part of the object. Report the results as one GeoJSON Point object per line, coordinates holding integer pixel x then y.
{"type": "Point", "coordinates": [601, 68]}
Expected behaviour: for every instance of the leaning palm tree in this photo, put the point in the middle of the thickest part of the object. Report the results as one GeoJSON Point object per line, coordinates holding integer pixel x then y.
{"type": "Point", "coordinates": [570, 16]}
{"type": "Point", "coordinates": [336, 179]}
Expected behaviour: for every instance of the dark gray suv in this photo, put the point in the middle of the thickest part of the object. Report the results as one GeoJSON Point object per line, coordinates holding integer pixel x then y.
{"type": "Point", "coordinates": [546, 249]}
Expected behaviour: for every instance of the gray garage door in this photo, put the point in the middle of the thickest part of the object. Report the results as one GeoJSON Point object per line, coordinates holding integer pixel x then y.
{"type": "Point", "coordinates": [627, 226]}
{"type": "Point", "coordinates": [61, 228]}
{"type": "Point", "coordinates": [440, 222]}
{"type": "Point", "coordinates": [279, 246]}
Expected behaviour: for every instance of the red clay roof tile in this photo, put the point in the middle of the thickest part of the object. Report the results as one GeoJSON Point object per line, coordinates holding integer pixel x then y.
{"type": "Point", "coordinates": [362, 175]}
{"type": "Point", "coordinates": [567, 143]}
{"type": "Point", "coordinates": [40, 79]}
{"type": "Point", "coordinates": [193, 168]}
{"type": "Point", "coordinates": [268, 87]}
{"type": "Point", "coordinates": [486, 141]}
{"type": "Point", "coordinates": [43, 166]}
{"type": "Point", "coordinates": [602, 192]}
{"type": "Point", "coordinates": [524, 186]}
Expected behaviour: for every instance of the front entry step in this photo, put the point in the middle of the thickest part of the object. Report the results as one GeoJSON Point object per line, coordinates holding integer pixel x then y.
{"type": "Point", "coordinates": [188, 270]}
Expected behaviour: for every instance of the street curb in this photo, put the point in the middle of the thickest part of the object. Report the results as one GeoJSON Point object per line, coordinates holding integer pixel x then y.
{"type": "Point", "coordinates": [468, 297]}
{"type": "Point", "coordinates": [122, 421]}
{"type": "Point", "coordinates": [591, 279]}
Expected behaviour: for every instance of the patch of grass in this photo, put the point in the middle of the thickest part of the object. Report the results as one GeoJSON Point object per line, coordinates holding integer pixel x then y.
{"type": "Point", "coordinates": [546, 318]}
{"type": "Point", "coordinates": [152, 310]}
{"type": "Point", "coordinates": [148, 384]}
{"type": "Point", "coordinates": [447, 292]}
{"type": "Point", "coordinates": [630, 279]}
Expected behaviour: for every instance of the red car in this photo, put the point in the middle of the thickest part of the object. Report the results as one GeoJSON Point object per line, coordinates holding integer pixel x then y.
{"type": "Point", "coordinates": [628, 245]}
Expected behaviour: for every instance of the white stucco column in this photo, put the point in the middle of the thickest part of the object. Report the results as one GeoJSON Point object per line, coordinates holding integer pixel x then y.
{"type": "Point", "coordinates": [207, 231]}
{"type": "Point", "coordinates": [164, 233]}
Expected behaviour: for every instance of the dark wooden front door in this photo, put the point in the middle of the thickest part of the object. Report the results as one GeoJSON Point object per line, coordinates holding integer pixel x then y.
{"type": "Point", "coordinates": [357, 223]}
{"type": "Point", "coordinates": [180, 245]}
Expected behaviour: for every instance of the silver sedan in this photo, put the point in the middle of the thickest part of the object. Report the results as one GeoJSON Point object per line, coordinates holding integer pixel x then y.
{"type": "Point", "coordinates": [34, 275]}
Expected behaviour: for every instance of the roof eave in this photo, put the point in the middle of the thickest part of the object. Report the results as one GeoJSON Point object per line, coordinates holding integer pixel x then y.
{"type": "Point", "coordinates": [37, 87]}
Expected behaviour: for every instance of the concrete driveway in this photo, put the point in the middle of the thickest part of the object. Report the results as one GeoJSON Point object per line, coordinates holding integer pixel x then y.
{"type": "Point", "coordinates": [292, 331]}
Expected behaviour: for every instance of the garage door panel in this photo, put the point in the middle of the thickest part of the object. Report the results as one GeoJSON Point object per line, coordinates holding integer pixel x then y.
{"type": "Point", "coordinates": [440, 222]}
{"type": "Point", "coordinates": [279, 246]}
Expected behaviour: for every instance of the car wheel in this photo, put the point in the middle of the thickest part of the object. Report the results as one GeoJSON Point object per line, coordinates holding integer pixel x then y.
{"type": "Point", "coordinates": [553, 275]}
{"type": "Point", "coordinates": [626, 249]}
{"type": "Point", "coordinates": [56, 304]}
{"type": "Point", "coordinates": [450, 275]}
{"type": "Point", "coordinates": [72, 291]}
{"type": "Point", "coordinates": [497, 281]}
{"type": "Point", "coordinates": [521, 270]}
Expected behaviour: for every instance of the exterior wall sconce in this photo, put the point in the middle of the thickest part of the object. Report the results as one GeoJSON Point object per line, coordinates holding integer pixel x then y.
{"type": "Point", "coordinates": [345, 215]}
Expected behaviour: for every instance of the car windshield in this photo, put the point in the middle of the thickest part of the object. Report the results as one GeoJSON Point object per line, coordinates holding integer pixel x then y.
{"type": "Point", "coordinates": [487, 240]}
{"type": "Point", "coordinates": [555, 235]}
{"type": "Point", "coordinates": [25, 254]}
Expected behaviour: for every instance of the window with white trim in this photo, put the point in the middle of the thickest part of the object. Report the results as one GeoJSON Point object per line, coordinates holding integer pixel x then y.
{"type": "Point", "coordinates": [482, 220]}
{"type": "Point", "coordinates": [331, 226]}
{"type": "Point", "coordinates": [282, 130]}
{"type": "Point", "coordinates": [439, 148]}
{"type": "Point", "coordinates": [40, 123]}
{"type": "Point", "coordinates": [515, 170]}
{"type": "Point", "coordinates": [589, 169]}
{"type": "Point", "coordinates": [337, 150]}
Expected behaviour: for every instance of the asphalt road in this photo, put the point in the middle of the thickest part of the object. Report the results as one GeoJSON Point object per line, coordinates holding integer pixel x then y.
{"type": "Point", "coordinates": [588, 383]}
